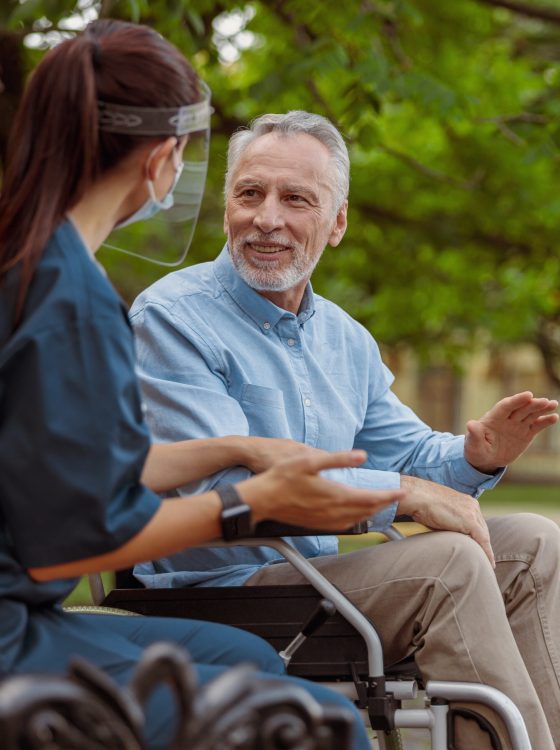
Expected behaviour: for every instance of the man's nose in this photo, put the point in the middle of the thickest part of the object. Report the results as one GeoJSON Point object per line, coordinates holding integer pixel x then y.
{"type": "Point", "coordinates": [269, 215]}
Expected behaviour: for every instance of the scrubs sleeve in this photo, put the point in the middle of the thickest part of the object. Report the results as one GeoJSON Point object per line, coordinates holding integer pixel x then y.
{"type": "Point", "coordinates": [73, 444]}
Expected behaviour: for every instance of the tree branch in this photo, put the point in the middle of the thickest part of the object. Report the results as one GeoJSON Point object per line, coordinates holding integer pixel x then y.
{"type": "Point", "coordinates": [106, 8]}
{"type": "Point", "coordinates": [228, 123]}
{"type": "Point", "coordinates": [390, 32]}
{"type": "Point", "coordinates": [530, 117]}
{"type": "Point", "coordinates": [434, 174]}
{"type": "Point", "coordinates": [524, 9]}
{"type": "Point", "coordinates": [434, 226]}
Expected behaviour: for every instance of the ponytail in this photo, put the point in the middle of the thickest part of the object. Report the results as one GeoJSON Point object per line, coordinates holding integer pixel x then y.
{"type": "Point", "coordinates": [56, 150]}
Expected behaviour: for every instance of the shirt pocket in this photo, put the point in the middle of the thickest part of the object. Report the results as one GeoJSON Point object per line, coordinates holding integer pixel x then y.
{"type": "Point", "coordinates": [265, 411]}
{"type": "Point", "coordinates": [259, 395]}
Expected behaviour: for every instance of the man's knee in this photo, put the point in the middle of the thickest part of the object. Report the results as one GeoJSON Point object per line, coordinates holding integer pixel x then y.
{"type": "Point", "coordinates": [465, 570]}
{"type": "Point", "coordinates": [459, 553]}
{"type": "Point", "coordinates": [535, 525]}
{"type": "Point", "coordinates": [525, 535]}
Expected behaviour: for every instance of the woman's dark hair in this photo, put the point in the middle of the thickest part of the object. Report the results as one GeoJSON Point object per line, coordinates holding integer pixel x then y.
{"type": "Point", "coordinates": [56, 149]}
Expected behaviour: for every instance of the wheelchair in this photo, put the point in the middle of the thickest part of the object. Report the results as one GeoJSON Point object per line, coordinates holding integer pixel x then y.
{"type": "Point", "coordinates": [338, 645]}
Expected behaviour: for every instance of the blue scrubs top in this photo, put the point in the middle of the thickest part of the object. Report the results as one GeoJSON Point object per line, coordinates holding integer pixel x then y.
{"type": "Point", "coordinates": [72, 443]}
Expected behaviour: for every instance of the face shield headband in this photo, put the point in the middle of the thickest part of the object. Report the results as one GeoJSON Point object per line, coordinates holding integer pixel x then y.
{"type": "Point", "coordinates": [165, 238]}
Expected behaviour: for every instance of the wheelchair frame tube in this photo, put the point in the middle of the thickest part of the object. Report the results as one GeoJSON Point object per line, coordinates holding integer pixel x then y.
{"type": "Point", "coordinates": [472, 692]}
{"type": "Point", "coordinates": [96, 587]}
{"type": "Point", "coordinates": [451, 691]}
{"type": "Point", "coordinates": [350, 612]}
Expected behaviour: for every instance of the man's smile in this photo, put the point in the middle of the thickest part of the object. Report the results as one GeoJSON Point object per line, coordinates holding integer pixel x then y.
{"type": "Point", "coordinates": [265, 248]}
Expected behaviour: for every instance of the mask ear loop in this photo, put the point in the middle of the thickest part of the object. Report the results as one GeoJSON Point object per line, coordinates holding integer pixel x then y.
{"type": "Point", "coordinates": [150, 183]}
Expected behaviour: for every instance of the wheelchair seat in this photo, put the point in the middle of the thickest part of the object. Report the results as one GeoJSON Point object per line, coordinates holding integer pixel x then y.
{"type": "Point", "coordinates": [275, 613]}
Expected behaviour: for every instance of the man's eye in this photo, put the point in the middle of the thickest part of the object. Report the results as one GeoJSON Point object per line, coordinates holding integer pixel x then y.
{"type": "Point", "coordinates": [248, 193]}
{"type": "Point", "coordinates": [296, 198]}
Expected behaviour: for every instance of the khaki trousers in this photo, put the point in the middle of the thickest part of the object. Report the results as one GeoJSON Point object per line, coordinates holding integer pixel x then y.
{"type": "Point", "coordinates": [436, 596]}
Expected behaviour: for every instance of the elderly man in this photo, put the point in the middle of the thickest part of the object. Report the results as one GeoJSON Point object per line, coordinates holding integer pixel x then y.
{"type": "Point", "coordinates": [243, 346]}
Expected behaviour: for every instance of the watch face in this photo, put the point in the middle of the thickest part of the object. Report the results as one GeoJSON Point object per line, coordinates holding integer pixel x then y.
{"type": "Point", "coordinates": [236, 522]}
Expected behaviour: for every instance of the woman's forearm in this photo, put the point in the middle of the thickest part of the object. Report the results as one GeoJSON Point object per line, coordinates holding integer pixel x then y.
{"type": "Point", "coordinates": [292, 492]}
{"type": "Point", "coordinates": [171, 465]}
{"type": "Point", "coordinates": [177, 524]}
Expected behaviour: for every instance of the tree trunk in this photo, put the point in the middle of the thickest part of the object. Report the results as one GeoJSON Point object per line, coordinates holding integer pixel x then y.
{"type": "Point", "coordinates": [11, 84]}
{"type": "Point", "coordinates": [548, 341]}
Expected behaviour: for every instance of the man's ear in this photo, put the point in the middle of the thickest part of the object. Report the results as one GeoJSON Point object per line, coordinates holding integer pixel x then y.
{"type": "Point", "coordinates": [226, 223]}
{"type": "Point", "coordinates": [339, 227]}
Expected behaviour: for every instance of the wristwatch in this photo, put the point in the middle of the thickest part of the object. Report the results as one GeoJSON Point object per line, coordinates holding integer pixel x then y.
{"type": "Point", "coordinates": [236, 515]}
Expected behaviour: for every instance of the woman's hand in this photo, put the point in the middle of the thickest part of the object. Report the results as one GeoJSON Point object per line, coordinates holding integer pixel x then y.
{"type": "Point", "coordinates": [294, 492]}
{"type": "Point", "coordinates": [261, 453]}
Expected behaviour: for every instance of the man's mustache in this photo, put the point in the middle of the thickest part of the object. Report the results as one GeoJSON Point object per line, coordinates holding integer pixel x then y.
{"type": "Point", "coordinates": [265, 239]}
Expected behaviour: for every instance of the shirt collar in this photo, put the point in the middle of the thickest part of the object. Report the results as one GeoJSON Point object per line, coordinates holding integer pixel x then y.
{"type": "Point", "coordinates": [264, 312]}
{"type": "Point", "coordinates": [87, 248]}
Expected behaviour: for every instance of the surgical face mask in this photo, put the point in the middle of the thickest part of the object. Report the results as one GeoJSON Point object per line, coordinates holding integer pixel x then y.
{"type": "Point", "coordinates": [153, 205]}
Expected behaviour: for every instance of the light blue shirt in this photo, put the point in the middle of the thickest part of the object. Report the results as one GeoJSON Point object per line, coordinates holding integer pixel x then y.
{"type": "Point", "coordinates": [216, 358]}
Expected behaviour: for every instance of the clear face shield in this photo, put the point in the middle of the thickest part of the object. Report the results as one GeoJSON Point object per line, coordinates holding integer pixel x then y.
{"type": "Point", "coordinates": [164, 237]}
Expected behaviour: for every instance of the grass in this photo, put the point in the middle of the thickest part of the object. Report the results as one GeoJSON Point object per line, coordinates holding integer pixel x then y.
{"type": "Point", "coordinates": [505, 498]}
{"type": "Point", "coordinates": [523, 496]}
{"type": "Point", "coordinates": [81, 594]}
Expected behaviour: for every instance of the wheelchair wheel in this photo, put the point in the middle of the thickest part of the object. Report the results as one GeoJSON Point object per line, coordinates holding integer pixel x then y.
{"type": "Point", "coordinates": [390, 740]}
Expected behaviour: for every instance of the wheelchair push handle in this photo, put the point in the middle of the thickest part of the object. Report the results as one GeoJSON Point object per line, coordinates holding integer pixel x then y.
{"type": "Point", "coordinates": [323, 611]}
{"type": "Point", "coordinates": [319, 616]}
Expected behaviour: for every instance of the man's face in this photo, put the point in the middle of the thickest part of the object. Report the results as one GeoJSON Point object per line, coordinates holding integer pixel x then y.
{"type": "Point", "coordinates": [280, 213]}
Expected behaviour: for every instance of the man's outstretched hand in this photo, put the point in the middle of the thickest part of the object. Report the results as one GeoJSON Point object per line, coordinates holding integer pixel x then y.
{"type": "Point", "coordinates": [506, 430]}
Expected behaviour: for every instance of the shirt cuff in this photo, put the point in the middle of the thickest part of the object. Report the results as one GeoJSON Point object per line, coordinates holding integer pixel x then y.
{"type": "Point", "coordinates": [370, 479]}
{"type": "Point", "coordinates": [382, 520]}
{"type": "Point", "coordinates": [471, 481]}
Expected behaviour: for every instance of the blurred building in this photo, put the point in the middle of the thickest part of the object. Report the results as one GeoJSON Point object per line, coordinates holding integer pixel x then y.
{"type": "Point", "coordinates": [446, 400]}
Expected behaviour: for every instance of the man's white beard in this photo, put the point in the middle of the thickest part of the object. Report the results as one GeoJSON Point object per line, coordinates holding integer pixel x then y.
{"type": "Point", "coordinates": [265, 278]}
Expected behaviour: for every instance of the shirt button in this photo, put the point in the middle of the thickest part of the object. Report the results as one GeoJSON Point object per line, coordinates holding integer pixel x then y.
{"type": "Point", "coordinates": [266, 325]}
{"type": "Point", "coordinates": [291, 342]}
{"type": "Point", "coordinates": [307, 402]}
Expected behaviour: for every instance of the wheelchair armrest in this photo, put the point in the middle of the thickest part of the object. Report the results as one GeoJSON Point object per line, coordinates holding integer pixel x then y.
{"type": "Point", "coordinates": [275, 529]}
{"type": "Point", "coordinates": [264, 529]}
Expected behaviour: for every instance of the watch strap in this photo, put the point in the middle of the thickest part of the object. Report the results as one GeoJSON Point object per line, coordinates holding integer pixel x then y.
{"type": "Point", "coordinates": [236, 515]}
{"type": "Point", "coordinates": [229, 496]}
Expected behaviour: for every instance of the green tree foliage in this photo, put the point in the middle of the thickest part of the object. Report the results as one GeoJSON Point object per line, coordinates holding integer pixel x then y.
{"type": "Point", "coordinates": [451, 111]}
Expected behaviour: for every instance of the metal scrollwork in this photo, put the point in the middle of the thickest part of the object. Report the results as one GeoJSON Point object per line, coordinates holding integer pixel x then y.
{"type": "Point", "coordinates": [237, 711]}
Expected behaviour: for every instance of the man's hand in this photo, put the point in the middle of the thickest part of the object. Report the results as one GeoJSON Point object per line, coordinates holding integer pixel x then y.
{"type": "Point", "coordinates": [443, 508]}
{"type": "Point", "coordinates": [504, 432]}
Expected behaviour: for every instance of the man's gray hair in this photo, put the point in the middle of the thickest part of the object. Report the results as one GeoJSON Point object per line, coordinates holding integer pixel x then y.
{"type": "Point", "coordinates": [292, 123]}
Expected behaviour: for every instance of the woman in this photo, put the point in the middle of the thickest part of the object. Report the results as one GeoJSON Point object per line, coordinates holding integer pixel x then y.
{"type": "Point", "coordinates": [78, 477]}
